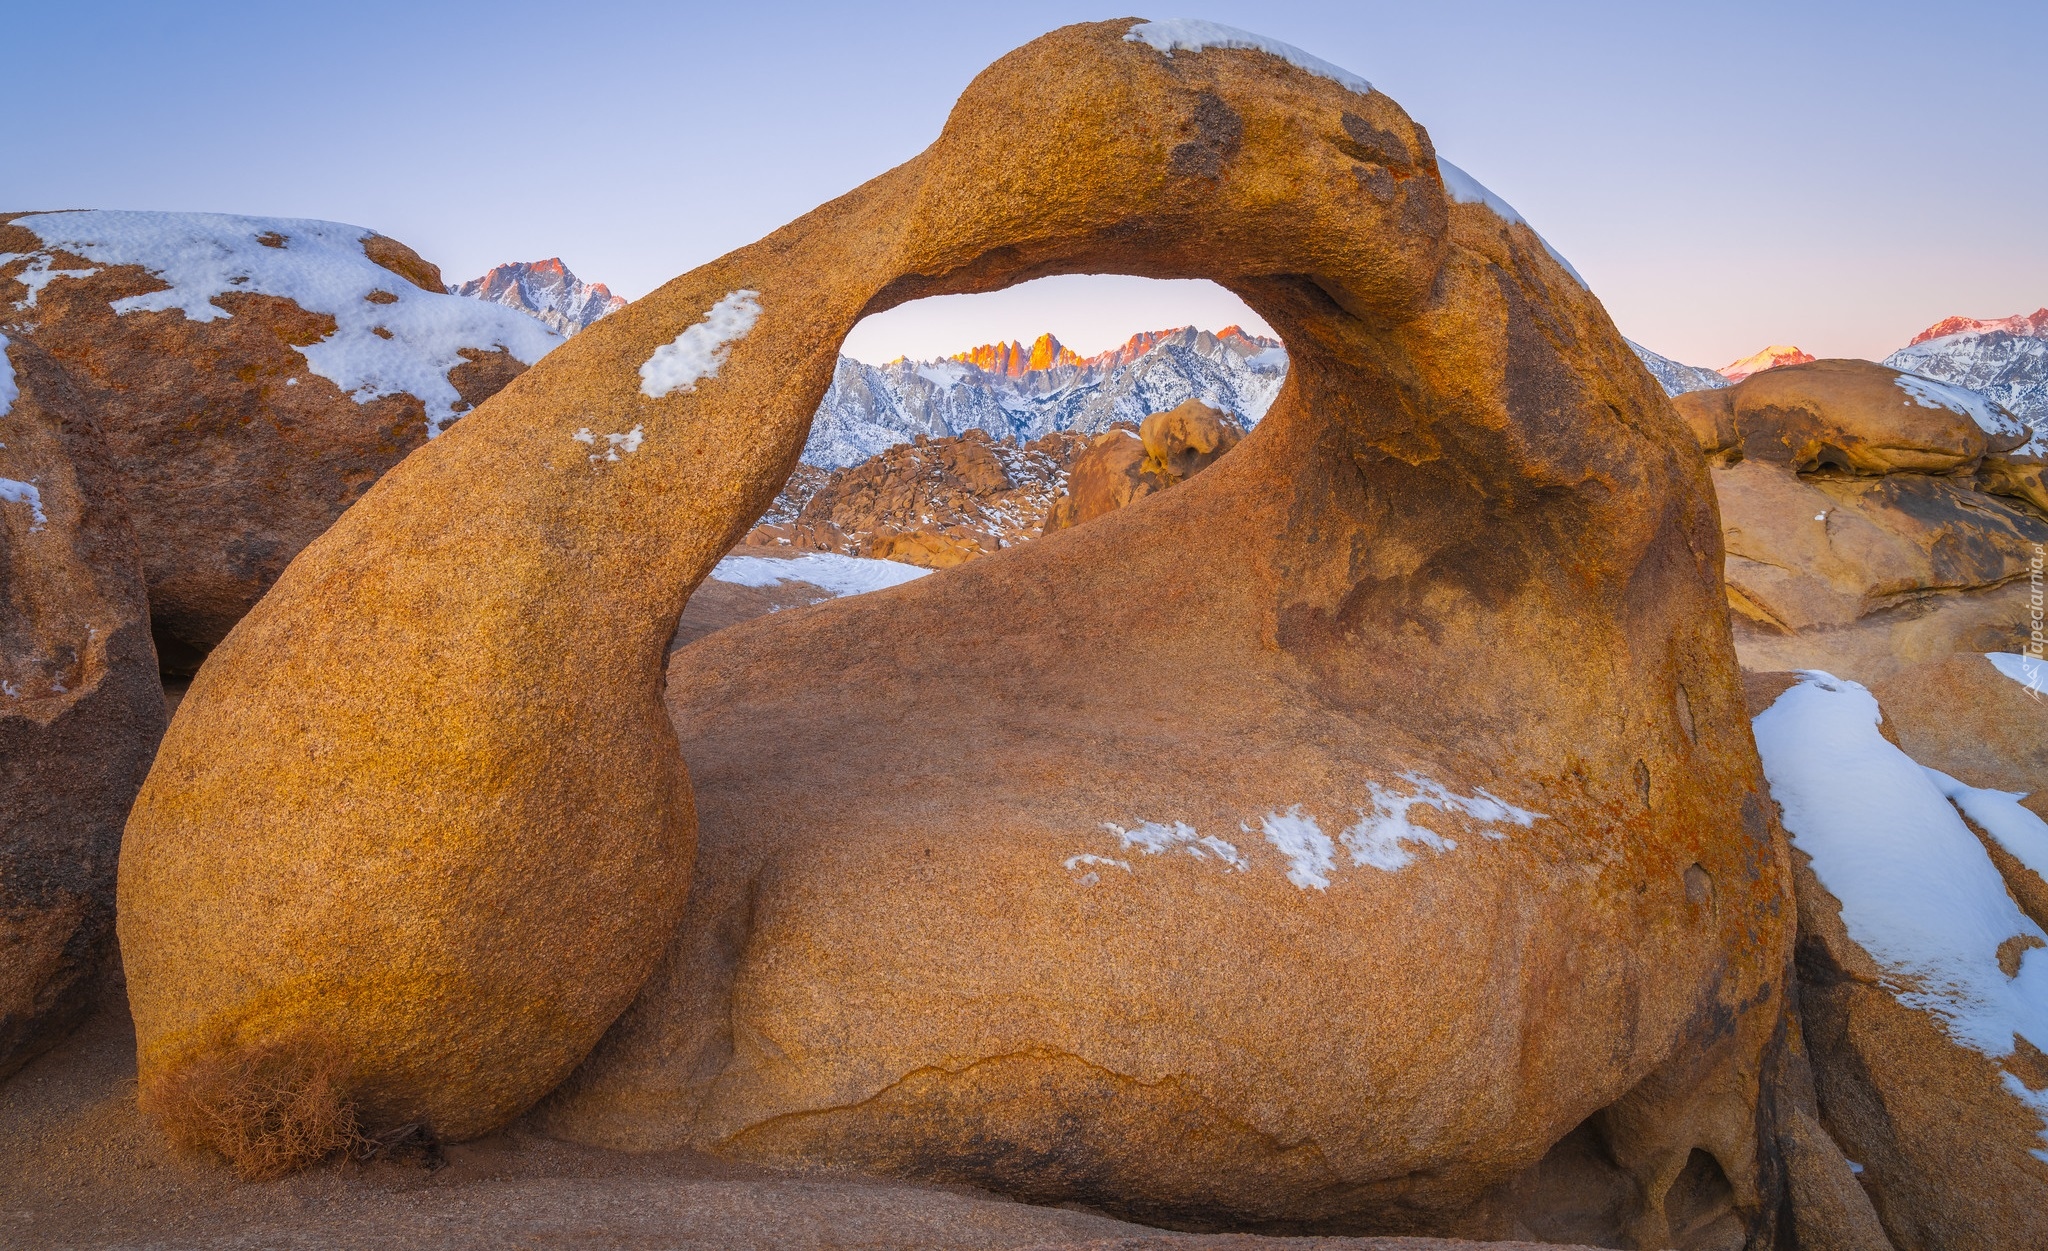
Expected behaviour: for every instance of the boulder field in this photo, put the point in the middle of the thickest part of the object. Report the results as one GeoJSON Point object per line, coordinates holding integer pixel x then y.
{"type": "Point", "coordinates": [1879, 543]}
{"type": "Point", "coordinates": [936, 501]}
{"type": "Point", "coordinates": [1402, 865]}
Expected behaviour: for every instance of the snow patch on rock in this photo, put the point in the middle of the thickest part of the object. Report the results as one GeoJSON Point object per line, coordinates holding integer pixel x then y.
{"type": "Point", "coordinates": [13, 492]}
{"type": "Point", "coordinates": [37, 274]}
{"type": "Point", "coordinates": [1154, 838]}
{"type": "Point", "coordinates": [1466, 189]}
{"type": "Point", "coordinates": [698, 352]}
{"type": "Point", "coordinates": [1311, 856]}
{"type": "Point", "coordinates": [1086, 864]}
{"type": "Point", "coordinates": [1377, 839]}
{"type": "Point", "coordinates": [1918, 891]}
{"type": "Point", "coordinates": [2029, 671]}
{"type": "Point", "coordinates": [841, 575]}
{"type": "Point", "coordinates": [1929, 393]}
{"type": "Point", "coordinates": [1188, 34]}
{"type": "Point", "coordinates": [406, 342]}
{"type": "Point", "coordinates": [2001, 815]}
{"type": "Point", "coordinates": [614, 444]}
{"type": "Point", "coordinates": [9, 392]}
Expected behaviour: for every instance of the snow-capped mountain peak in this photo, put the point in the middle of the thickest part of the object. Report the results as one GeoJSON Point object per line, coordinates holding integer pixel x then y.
{"type": "Point", "coordinates": [1014, 360]}
{"type": "Point", "coordinates": [1770, 358]}
{"type": "Point", "coordinates": [2032, 325]}
{"type": "Point", "coordinates": [1012, 391]}
{"type": "Point", "coordinates": [2004, 358]}
{"type": "Point", "coordinates": [546, 290]}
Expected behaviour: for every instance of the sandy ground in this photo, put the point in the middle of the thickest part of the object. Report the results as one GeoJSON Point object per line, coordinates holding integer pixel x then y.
{"type": "Point", "coordinates": [79, 1167]}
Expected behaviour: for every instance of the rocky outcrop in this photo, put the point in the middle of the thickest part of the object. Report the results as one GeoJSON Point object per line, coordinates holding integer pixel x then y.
{"type": "Point", "coordinates": [80, 706]}
{"type": "Point", "coordinates": [251, 377]}
{"type": "Point", "coordinates": [934, 502]}
{"type": "Point", "coordinates": [1860, 535]}
{"type": "Point", "coordinates": [1118, 467]}
{"type": "Point", "coordinates": [939, 502]}
{"type": "Point", "coordinates": [1848, 416]}
{"type": "Point", "coordinates": [1457, 740]}
{"type": "Point", "coordinates": [1106, 475]}
{"type": "Point", "coordinates": [1923, 994]}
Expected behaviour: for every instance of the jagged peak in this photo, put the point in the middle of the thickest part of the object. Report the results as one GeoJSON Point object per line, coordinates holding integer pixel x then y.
{"type": "Point", "coordinates": [546, 289]}
{"type": "Point", "coordinates": [2032, 325]}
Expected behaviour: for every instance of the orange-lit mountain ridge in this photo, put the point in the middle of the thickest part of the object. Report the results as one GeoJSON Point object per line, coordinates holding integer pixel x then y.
{"type": "Point", "coordinates": [1770, 358]}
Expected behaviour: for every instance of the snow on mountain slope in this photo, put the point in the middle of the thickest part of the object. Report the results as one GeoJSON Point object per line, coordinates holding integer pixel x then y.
{"type": "Point", "coordinates": [871, 407]}
{"type": "Point", "coordinates": [1770, 358]}
{"type": "Point", "coordinates": [2005, 359]}
{"type": "Point", "coordinates": [2034, 324]}
{"type": "Point", "coordinates": [1676, 379]}
{"type": "Point", "coordinates": [546, 290]}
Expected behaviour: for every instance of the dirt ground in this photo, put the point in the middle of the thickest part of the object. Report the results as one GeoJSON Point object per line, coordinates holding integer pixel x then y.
{"type": "Point", "coordinates": [79, 1167]}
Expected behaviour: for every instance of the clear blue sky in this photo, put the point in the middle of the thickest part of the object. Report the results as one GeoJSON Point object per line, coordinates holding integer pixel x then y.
{"type": "Point", "coordinates": [1726, 176]}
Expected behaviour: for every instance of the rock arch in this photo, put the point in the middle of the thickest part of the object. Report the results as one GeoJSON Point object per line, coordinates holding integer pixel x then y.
{"type": "Point", "coordinates": [1366, 707]}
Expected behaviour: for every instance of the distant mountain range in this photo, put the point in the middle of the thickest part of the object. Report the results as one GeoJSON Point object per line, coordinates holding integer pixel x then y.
{"type": "Point", "coordinates": [1675, 378]}
{"type": "Point", "coordinates": [1020, 391]}
{"type": "Point", "coordinates": [547, 290]}
{"type": "Point", "coordinates": [2006, 359]}
{"type": "Point", "coordinates": [1013, 391]}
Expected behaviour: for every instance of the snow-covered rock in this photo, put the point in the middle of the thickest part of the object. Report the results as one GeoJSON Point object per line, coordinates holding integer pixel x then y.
{"type": "Point", "coordinates": [390, 338]}
{"type": "Point", "coordinates": [870, 407]}
{"type": "Point", "coordinates": [546, 290]}
{"type": "Point", "coordinates": [2005, 359]}
{"type": "Point", "coordinates": [1676, 379]}
{"type": "Point", "coordinates": [251, 377]}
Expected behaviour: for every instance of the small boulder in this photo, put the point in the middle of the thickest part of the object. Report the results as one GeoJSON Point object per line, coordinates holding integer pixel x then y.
{"type": "Point", "coordinates": [1183, 441]}
{"type": "Point", "coordinates": [1108, 474]}
{"type": "Point", "coordinates": [80, 705]}
{"type": "Point", "coordinates": [1118, 468]}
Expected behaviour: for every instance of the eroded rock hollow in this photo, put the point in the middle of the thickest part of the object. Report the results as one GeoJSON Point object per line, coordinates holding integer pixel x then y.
{"type": "Point", "coordinates": [1366, 832]}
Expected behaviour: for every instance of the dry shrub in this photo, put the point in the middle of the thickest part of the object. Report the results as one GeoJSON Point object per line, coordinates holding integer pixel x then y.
{"type": "Point", "coordinates": [269, 1108]}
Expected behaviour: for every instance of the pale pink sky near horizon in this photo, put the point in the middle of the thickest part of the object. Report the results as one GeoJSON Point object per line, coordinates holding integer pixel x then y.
{"type": "Point", "coordinates": [1726, 176]}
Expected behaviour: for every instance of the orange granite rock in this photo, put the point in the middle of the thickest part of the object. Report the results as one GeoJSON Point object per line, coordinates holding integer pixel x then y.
{"type": "Point", "coordinates": [80, 704]}
{"type": "Point", "coordinates": [1435, 846]}
{"type": "Point", "coordinates": [231, 451]}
